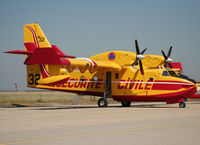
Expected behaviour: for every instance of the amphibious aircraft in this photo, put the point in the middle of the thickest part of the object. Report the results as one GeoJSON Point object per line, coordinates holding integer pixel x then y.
{"type": "Point", "coordinates": [121, 75]}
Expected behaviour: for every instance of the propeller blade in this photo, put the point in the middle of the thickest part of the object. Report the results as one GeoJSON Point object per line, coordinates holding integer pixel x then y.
{"type": "Point", "coordinates": [170, 65]}
{"type": "Point", "coordinates": [169, 52]}
{"type": "Point", "coordinates": [167, 59]}
{"type": "Point", "coordinates": [141, 67]}
{"type": "Point", "coordinates": [163, 53]}
{"type": "Point", "coordinates": [143, 51]}
{"type": "Point", "coordinates": [135, 62]}
{"type": "Point", "coordinates": [165, 64]}
{"type": "Point", "coordinates": [139, 56]}
{"type": "Point", "coordinates": [137, 47]}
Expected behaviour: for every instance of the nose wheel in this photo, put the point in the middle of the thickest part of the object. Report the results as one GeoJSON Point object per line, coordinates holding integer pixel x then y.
{"type": "Point", "coordinates": [182, 105]}
{"type": "Point", "coordinates": [102, 102]}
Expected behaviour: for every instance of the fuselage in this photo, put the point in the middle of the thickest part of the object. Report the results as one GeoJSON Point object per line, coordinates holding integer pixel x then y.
{"type": "Point", "coordinates": [128, 83]}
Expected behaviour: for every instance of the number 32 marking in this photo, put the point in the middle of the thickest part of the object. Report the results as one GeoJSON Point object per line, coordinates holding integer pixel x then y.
{"type": "Point", "coordinates": [33, 79]}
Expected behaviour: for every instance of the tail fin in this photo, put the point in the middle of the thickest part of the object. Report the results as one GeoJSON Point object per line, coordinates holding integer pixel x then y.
{"type": "Point", "coordinates": [43, 60]}
{"type": "Point", "coordinates": [35, 38]}
{"type": "Point", "coordinates": [34, 34]}
{"type": "Point", "coordinates": [43, 53]}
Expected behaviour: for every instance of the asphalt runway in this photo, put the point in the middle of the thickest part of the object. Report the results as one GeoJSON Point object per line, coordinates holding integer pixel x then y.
{"type": "Point", "coordinates": [141, 124]}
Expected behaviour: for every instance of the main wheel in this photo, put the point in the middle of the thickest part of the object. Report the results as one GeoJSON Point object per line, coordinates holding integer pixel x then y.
{"type": "Point", "coordinates": [182, 105]}
{"type": "Point", "coordinates": [102, 102]}
{"type": "Point", "coordinates": [126, 103]}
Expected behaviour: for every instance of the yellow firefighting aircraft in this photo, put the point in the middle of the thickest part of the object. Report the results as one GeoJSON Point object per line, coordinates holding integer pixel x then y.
{"type": "Point", "coordinates": [121, 75]}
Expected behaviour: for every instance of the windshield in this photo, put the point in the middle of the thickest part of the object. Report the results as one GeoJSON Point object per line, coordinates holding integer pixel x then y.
{"type": "Point", "coordinates": [186, 78]}
{"type": "Point", "coordinates": [165, 73]}
{"type": "Point", "coordinates": [173, 74]}
{"type": "Point", "coordinates": [178, 74]}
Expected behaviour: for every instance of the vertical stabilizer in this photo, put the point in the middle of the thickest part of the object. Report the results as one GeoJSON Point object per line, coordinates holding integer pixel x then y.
{"type": "Point", "coordinates": [34, 34]}
{"type": "Point", "coordinates": [35, 38]}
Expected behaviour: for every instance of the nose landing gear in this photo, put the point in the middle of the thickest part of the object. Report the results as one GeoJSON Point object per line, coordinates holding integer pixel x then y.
{"type": "Point", "coordinates": [182, 105]}
{"type": "Point", "coordinates": [126, 103]}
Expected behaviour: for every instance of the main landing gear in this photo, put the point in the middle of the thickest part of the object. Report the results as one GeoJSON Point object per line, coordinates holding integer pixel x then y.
{"type": "Point", "coordinates": [126, 103]}
{"type": "Point", "coordinates": [102, 102]}
{"type": "Point", "coordinates": [182, 105]}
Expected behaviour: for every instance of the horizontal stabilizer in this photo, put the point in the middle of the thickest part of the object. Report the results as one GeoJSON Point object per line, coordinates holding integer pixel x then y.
{"type": "Point", "coordinates": [43, 55]}
{"type": "Point", "coordinates": [19, 52]}
{"type": "Point", "coordinates": [46, 56]}
{"type": "Point", "coordinates": [60, 53]}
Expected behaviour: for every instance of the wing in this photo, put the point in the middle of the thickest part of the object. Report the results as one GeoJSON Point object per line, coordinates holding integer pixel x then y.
{"type": "Point", "coordinates": [84, 64]}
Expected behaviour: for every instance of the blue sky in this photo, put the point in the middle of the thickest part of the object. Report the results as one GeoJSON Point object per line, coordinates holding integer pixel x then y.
{"type": "Point", "coordinates": [88, 27]}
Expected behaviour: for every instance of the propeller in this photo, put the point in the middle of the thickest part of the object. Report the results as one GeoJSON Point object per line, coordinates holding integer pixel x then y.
{"type": "Point", "coordinates": [139, 57]}
{"type": "Point", "coordinates": [168, 60]}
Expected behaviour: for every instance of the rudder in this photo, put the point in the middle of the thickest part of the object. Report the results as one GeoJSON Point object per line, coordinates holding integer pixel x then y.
{"type": "Point", "coordinates": [34, 34]}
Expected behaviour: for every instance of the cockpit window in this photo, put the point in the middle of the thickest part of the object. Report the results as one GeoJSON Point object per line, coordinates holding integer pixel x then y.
{"type": "Point", "coordinates": [165, 73]}
{"type": "Point", "coordinates": [186, 78]}
{"type": "Point", "coordinates": [173, 74]}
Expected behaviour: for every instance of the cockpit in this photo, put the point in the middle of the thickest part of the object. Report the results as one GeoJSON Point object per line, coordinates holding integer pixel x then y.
{"type": "Point", "coordinates": [179, 75]}
{"type": "Point", "coordinates": [169, 73]}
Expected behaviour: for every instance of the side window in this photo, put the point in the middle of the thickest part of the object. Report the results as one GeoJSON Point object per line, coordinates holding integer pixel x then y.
{"type": "Point", "coordinates": [116, 75]}
{"type": "Point", "coordinates": [165, 73]}
{"type": "Point", "coordinates": [151, 79]}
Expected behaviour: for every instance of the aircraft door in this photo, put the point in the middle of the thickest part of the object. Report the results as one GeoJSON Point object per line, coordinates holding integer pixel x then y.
{"type": "Point", "coordinates": [108, 90]}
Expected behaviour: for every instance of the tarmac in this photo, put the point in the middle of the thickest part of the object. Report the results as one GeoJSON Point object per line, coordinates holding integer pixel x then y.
{"type": "Point", "coordinates": [140, 124]}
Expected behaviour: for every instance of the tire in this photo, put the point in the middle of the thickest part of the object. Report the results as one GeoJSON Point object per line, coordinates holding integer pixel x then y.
{"type": "Point", "coordinates": [126, 103]}
{"type": "Point", "coordinates": [102, 102]}
{"type": "Point", "coordinates": [182, 105]}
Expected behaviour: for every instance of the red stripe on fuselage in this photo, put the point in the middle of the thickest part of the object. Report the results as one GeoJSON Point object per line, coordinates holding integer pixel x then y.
{"type": "Point", "coordinates": [166, 97]}
{"type": "Point", "coordinates": [44, 72]}
{"type": "Point", "coordinates": [95, 64]}
{"type": "Point", "coordinates": [93, 93]}
{"type": "Point", "coordinates": [156, 85]}
{"type": "Point", "coordinates": [170, 85]}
